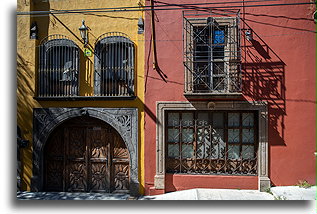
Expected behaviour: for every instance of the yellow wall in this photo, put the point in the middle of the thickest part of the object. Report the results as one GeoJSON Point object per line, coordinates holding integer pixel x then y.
{"type": "Point", "coordinates": [68, 24]}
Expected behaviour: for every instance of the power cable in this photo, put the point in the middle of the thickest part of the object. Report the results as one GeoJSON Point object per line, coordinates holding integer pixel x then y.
{"type": "Point", "coordinates": [138, 7]}
{"type": "Point", "coordinates": [180, 7]}
{"type": "Point", "coordinates": [209, 3]}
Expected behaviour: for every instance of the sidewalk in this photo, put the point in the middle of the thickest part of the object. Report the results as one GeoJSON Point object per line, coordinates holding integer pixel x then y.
{"type": "Point", "coordinates": [294, 193]}
{"type": "Point", "coordinates": [276, 193]}
{"type": "Point", "coordinates": [212, 194]}
{"type": "Point", "coordinates": [71, 196]}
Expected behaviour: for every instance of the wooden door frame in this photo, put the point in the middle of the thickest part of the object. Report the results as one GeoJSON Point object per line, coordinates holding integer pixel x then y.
{"type": "Point", "coordinates": [123, 120]}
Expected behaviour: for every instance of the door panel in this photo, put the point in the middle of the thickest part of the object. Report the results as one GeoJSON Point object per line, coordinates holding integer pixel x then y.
{"type": "Point", "coordinates": [120, 165]}
{"type": "Point", "coordinates": [98, 146]}
{"type": "Point", "coordinates": [76, 166]}
{"type": "Point", "coordinates": [54, 164]}
{"type": "Point", "coordinates": [121, 176]}
{"type": "Point", "coordinates": [54, 176]}
{"type": "Point", "coordinates": [77, 172]}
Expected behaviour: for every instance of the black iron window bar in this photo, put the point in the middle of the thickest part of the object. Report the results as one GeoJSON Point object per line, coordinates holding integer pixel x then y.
{"type": "Point", "coordinates": [58, 74]}
{"type": "Point", "coordinates": [114, 65]}
{"type": "Point", "coordinates": [212, 52]}
{"type": "Point", "coordinates": [58, 67]}
{"type": "Point", "coordinates": [205, 142]}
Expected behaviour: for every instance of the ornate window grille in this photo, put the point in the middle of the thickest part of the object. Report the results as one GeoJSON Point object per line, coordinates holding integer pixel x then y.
{"type": "Point", "coordinates": [114, 65]}
{"type": "Point", "coordinates": [211, 142]}
{"type": "Point", "coordinates": [58, 67]}
{"type": "Point", "coordinates": [212, 52]}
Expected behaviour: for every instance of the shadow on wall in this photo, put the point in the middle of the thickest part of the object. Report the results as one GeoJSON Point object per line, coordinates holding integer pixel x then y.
{"type": "Point", "coordinates": [86, 74]}
{"type": "Point", "coordinates": [42, 24]}
{"type": "Point", "coordinates": [26, 75]}
{"type": "Point", "coordinates": [42, 21]}
{"type": "Point", "coordinates": [25, 104]}
{"type": "Point", "coordinates": [25, 78]}
{"type": "Point", "coordinates": [264, 80]}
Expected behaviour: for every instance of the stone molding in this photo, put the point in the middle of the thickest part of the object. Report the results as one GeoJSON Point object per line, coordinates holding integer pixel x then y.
{"type": "Point", "coordinates": [259, 106]}
{"type": "Point", "coordinates": [123, 120]}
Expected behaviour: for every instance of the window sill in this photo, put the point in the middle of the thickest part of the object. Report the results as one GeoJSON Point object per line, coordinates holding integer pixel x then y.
{"type": "Point", "coordinates": [207, 174]}
{"type": "Point", "coordinates": [204, 96]}
{"type": "Point", "coordinates": [84, 98]}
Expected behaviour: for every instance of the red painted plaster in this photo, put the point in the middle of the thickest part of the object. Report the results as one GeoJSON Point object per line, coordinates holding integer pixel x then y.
{"type": "Point", "coordinates": [286, 80]}
{"type": "Point", "coordinates": [175, 182]}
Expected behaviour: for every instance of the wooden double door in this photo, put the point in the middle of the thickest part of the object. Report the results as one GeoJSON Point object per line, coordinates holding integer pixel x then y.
{"type": "Point", "coordinates": [86, 155]}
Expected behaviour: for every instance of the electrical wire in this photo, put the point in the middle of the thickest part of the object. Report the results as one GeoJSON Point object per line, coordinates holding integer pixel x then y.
{"type": "Point", "coordinates": [209, 3]}
{"type": "Point", "coordinates": [119, 8]}
{"type": "Point", "coordinates": [180, 7]}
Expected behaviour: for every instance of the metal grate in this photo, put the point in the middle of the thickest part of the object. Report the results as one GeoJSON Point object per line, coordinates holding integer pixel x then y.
{"type": "Point", "coordinates": [217, 142]}
{"type": "Point", "coordinates": [58, 67]}
{"type": "Point", "coordinates": [212, 52]}
{"type": "Point", "coordinates": [114, 65]}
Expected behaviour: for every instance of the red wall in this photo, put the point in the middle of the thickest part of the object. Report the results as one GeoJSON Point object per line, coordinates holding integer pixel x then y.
{"type": "Point", "coordinates": [176, 182]}
{"type": "Point", "coordinates": [279, 68]}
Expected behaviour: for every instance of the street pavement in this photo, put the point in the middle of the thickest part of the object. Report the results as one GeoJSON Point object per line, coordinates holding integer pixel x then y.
{"type": "Point", "coordinates": [212, 194]}
{"type": "Point", "coordinates": [275, 193]}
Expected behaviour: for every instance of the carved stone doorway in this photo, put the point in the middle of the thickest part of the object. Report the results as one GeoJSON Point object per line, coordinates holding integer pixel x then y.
{"type": "Point", "coordinates": [85, 154]}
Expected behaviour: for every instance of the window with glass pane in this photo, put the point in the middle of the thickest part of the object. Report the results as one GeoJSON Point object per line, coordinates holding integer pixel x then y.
{"type": "Point", "coordinates": [211, 142]}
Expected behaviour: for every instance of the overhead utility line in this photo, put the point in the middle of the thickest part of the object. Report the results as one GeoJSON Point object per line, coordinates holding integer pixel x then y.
{"type": "Point", "coordinates": [156, 6]}
{"type": "Point", "coordinates": [209, 3]}
{"type": "Point", "coordinates": [179, 7]}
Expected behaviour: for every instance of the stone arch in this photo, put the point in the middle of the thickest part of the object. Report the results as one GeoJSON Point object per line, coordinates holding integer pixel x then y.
{"type": "Point", "coordinates": [123, 120]}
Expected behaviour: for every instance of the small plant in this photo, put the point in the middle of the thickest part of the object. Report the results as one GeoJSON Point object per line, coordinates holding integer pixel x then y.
{"type": "Point", "coordinates": [303, 184]}
{"type": "Point", "coordinates": [268, 190]}
{"type": "Point", "coordinates": [280, 197]}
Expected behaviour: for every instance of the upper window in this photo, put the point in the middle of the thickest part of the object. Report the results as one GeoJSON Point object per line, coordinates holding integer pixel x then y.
{"type": "Point", "coordinates": [211, 55]}
{"type": "Point", "coordinates": [58, 67]}
{"type": "Point", "coordinates": [114, 65]}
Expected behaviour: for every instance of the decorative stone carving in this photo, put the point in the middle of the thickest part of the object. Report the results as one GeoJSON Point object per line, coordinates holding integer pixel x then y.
{"type": "Point", "coordinates": [211, 105]}
{"type": "Point", "coordinates": [123, 120]}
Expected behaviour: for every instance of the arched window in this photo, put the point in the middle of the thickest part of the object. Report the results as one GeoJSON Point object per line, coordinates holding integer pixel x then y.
{"type": "Point", "coordinates": [58, 67]}
{"type": "Point", "coordinates": [114, 65]}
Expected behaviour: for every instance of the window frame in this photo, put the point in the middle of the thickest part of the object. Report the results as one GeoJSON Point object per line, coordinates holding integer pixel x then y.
{"type": "Point", "coordinates": [263, 149]}
{"type": "Point", "coordinates": [231, 77]}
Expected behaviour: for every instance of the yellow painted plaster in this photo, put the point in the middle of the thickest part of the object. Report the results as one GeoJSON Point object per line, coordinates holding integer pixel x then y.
{"type": "Point", "coordinates": [68, 24]}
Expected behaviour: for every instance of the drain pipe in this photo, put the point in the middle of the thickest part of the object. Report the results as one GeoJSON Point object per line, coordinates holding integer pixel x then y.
{"type": "Point", "coordinates": [153, 36]}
